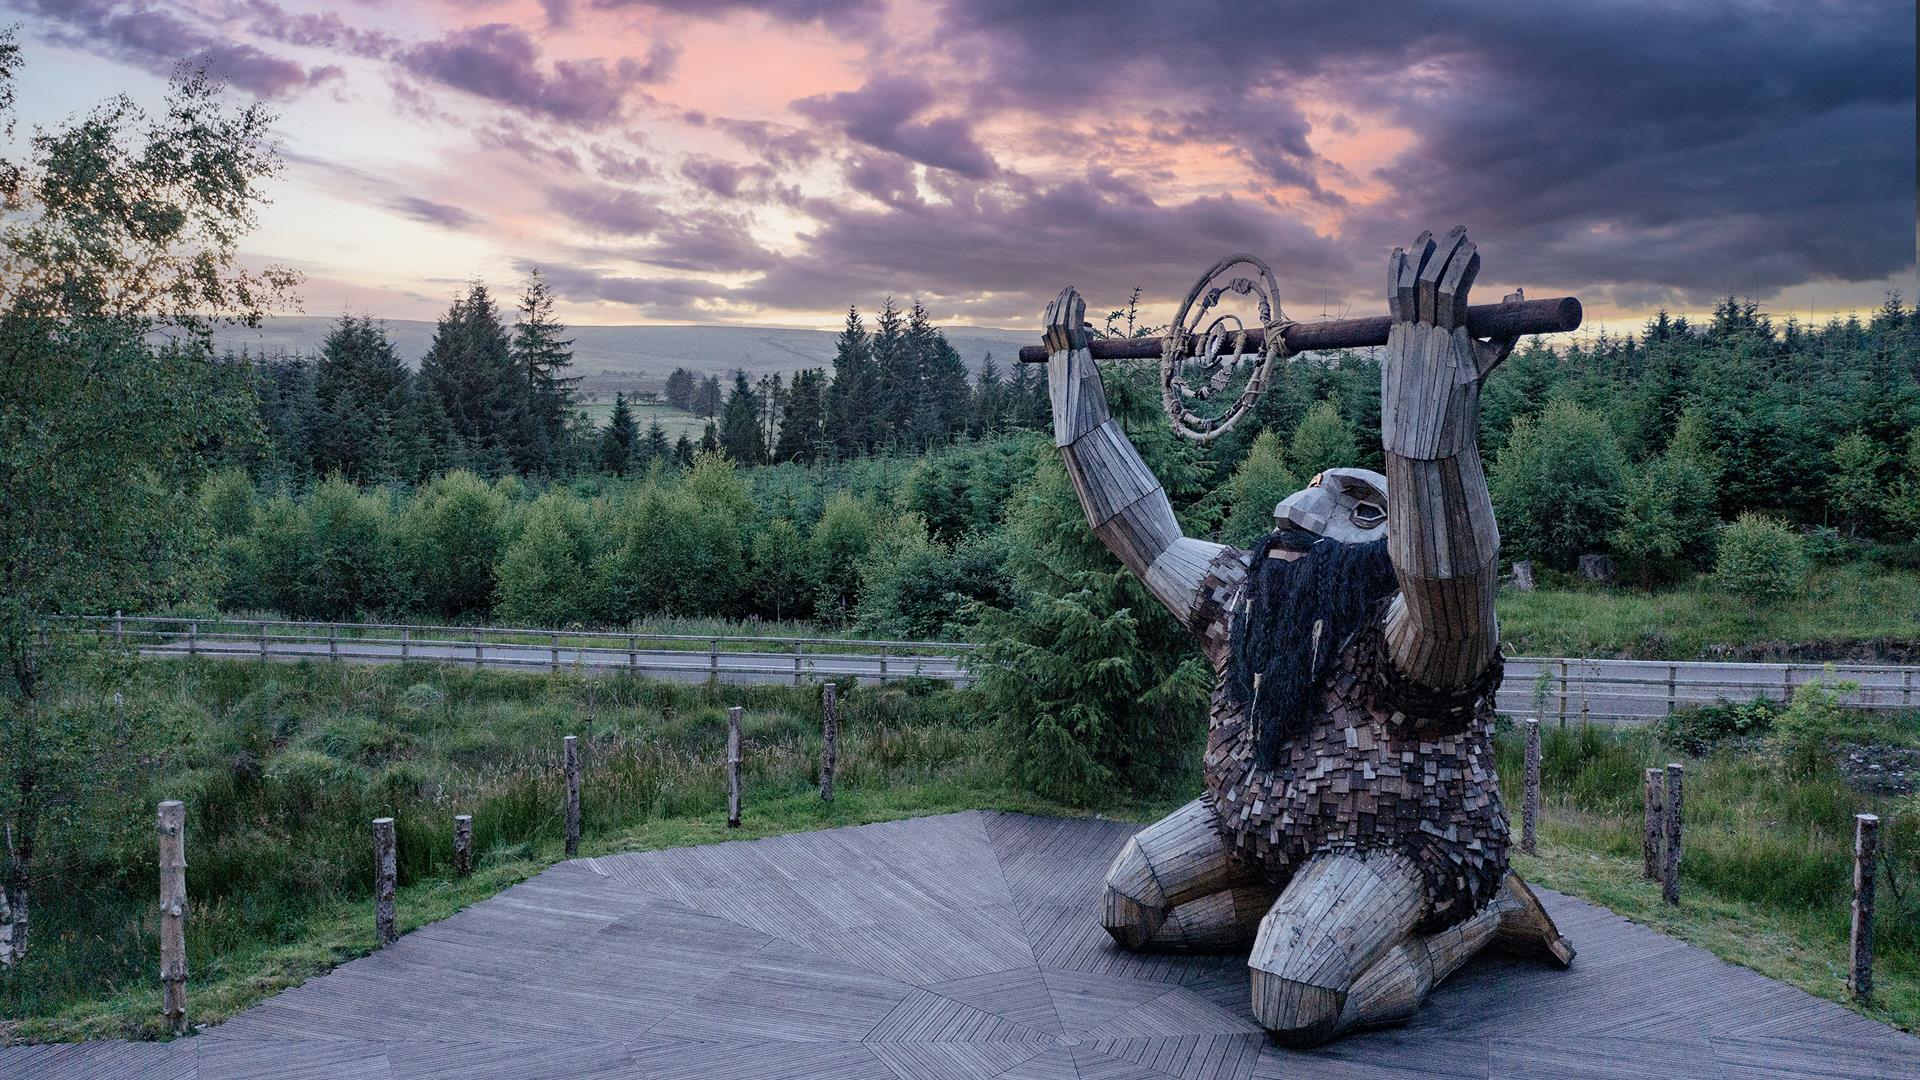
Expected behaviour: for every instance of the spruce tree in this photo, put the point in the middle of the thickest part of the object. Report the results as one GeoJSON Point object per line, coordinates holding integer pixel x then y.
{"type": "Point", "coordinates": [988, 412]}
{"type": "Point", "coordinates": [683, 449]}
{"type": "Point", "coordinates": [617, 442]}
{"type": "Point", "coordinates": [740, 424]}
{"type": "Point", "coordinates": [707, 401]}
{"type": "Point", "coordinates": [890, 399]}
{"type": "Point", "coordinates": [470, 365]}
{"type": "Point", "coordinates": [542, 357]}
{"type": "Point", "coordinates": [848, 420]}
{"type": "Point", "coordinates": [655, 448]}
{"type": "Point", "coordinates": [802, 431]}
{"type": "Point", "coordinates": [709, 442]}
{"type": "Point", "coordinates": [356, 380]}
{"type": "Point", "coordinates": [680, 389]}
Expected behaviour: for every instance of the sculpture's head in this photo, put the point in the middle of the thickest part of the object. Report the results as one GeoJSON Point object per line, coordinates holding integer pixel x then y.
{"type": "Point", "coordinates": [1348, 505]}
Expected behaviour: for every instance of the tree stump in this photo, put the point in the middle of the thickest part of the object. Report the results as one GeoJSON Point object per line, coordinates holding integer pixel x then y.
{"type": "Point", "coordinates": [385, 881]}
{"type": "Point", "coordinates": [573, 795]}
{"type": "Point", "coordinates": [1652, 825]}
{"type": "Point", "coordinates": [173, 915]}
{"type": "Point", "coordinates": [1597, 568]}
{"type": "Point", "coordinates": [829, 739]}
{"type": "Point", "coordinates": [1523, 576]}
{"type": "Point", "coordinates": [462, 844]}
{"type": "Point", "coordinates": [1866, 853]}
{"type": "Point", "coordinates": [733, 767]}
{"type": "Point", "coordinates": [1670, 877]}
{"type": "Point", "coordinates": [1530, 806]}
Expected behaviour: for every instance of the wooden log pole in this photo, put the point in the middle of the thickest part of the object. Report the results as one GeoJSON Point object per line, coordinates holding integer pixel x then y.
{"type": "Point", "coordinates": [1530, 807]}
{"type": "Point", "coordinates": [829, 739]}
{"type": "Point", "coordinates": [573, 794]}
{"type": "Point", "coordinates": [173, 915]}
{"type": "Point", "coordinates": [1670, 864]}
{"type": "Point", "coordinates": [1504, 320]}
{"type": "Point", "coordinates": [1653, 824]}
{"type": "Point", "coordinates": [385, 881]}
{"type": "Point", "coordinates": [733, 767]}
{"type": "Point", "coordinates": [462, 844]}
{"type": "Point", "coordinates": [1866, 854]}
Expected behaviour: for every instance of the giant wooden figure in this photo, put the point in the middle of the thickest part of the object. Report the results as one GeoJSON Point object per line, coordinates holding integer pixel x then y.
{"type": "Point", "coordinates": [1352, 827]}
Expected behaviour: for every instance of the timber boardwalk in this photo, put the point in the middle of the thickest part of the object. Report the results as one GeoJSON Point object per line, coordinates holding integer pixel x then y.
{"type": "Point", "coordinates": [940, 948]}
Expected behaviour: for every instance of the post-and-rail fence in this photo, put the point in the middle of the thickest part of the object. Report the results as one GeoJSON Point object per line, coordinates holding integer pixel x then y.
{"type": "Point", "coordinates": [1559, 690]}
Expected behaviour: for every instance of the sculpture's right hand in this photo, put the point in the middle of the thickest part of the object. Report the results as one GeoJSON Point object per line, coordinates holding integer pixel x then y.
{"type": "Point", "coordinates": [1067, 329]}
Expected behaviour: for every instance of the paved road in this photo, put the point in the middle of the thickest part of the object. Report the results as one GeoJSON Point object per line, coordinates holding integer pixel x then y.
{"type": "Point", "coordinates": [675, 665]}
{"type": "Point", "coordinates": [948, 948]}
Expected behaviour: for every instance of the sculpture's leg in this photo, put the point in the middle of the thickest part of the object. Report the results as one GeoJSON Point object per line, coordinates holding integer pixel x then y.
{"type": "Point", "coordinates": [1342, 913]}
{"type": "Point", "coordinates": [1218, 922]}
{"type": "Point", "coordinates": [1177, 860]}
{"type": "Point", "coordinates": [1393, 988]}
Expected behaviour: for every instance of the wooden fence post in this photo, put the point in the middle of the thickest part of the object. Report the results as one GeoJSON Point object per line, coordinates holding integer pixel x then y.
{"type": "Point", "coordinates": [173, 915]}
{"type": "Point", "coordinates": [1563, 693]}
{"type": "Point", "coordinates": [633, 651]}
{"type": "Point", "coordinates": [193, 637]}
{"type": "Point", "coordinates": [797, 670]}
{"type": "Point", "coordinates": [573, 795]}
{"type": "Point", "coordinates": [1670, 877]}
{"type": "Point", "coordinates": [479, 659]}
{"type": "Point", "coordinates": [1673, 686]}
{"type": "Point", "coordinates": [333, 640]}
{"type": "Point", "coordinates": [385, 875]}
{"type": "Point", "coordinates": [733, 767]}
{"type": "Point", "coordinates": [1530, 806]}
{"type": "Point", "coordinates": [1866, 853]}
{"type": "Point", "coordinates": [462, 844]}
{"type": "Point", "coordinates": [553, 654]}
{"type": "Point", "coordinates": [713, 660]}
{"type": "Point", "coordinates": [406, 642]}
{"type": "Point", "coordinates": [1652, 827]}
{"type": "Point", "coordinates": [263, 641]}
{"type": "Point", "coordinates": [119, 628]}
{"type": "Point", "coordinates": [829, 739]}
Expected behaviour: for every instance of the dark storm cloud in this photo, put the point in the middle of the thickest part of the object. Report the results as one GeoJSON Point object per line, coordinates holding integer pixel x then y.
{"type": "Point", "coordinates": [991, 250]}
{"type": "Point", "coordinates": [881, 115]}
{"type": "Point", "coordinates": [1639, 148]}
{"type": "Point", "coordinates": [159, 41]}
{"type": "Point", "coordinates": [501, 63]}
{"type": "Point", "coordinates": [795, 11]}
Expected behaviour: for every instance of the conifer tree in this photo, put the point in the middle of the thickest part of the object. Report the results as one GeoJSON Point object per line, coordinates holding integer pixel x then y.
{"type": "Point", "coordinates": [890, 400]}
{"type": "Point", "coordinates": [470, 365]}
{"type": "Point", "coordinates": [849, 399]}
{"type": "Point", "coordinates": [683, 448]}
{"type": "Point", "coordinates": [542, 357]}
{"type": "Point", "coordinates": [988, 414]}
{"type": "Point", "coordinates": [802, 433]}
{"type": "Point", "coordinates": [357, 382]}
{"type": "Point", "coordinates": [740, 424]}
{"type": "Point", "coordinates": [655, 448]}
{"type": "Point", "coordinates": [706, 401]}
{"type": "Point", "coordinates": [680, 389]}
{"type": "Point", "coordinates": [617, 442]}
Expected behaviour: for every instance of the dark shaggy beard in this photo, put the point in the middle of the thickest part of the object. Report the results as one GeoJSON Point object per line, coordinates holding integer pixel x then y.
{"type": "Point", "coordinates": [1333, 587]}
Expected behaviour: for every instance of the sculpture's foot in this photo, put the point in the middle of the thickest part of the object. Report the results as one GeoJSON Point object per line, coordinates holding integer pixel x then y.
{"type": "Point", "coordinates": [1342, 914]}
{"type": "Point", "coordinates": [1177, 863]}
{"type": "Point", "coordinates": [1525, 927]}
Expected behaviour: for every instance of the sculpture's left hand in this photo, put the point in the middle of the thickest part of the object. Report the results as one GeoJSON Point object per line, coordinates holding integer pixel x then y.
{"type": "Point", "coordinates": [1430, 383]}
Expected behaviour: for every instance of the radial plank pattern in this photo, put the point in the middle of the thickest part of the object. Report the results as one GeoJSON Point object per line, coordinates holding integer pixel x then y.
{"type": "Point", "coordinates": [947, 948]}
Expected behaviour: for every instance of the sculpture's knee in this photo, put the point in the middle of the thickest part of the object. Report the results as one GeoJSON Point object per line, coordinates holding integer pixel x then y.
{"type": "Point", "coordinates": [1341, 913]}
{"type": "Point", "coordinates": [1135, 907]}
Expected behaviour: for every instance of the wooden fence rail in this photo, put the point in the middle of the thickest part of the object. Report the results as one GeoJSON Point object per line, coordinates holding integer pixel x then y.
{"type": "Point", "coordinates": [1571, 690]}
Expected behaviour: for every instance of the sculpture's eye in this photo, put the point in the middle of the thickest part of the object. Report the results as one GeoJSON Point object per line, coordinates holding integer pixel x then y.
{"type": "Point", "coordinates": [1367, 515]}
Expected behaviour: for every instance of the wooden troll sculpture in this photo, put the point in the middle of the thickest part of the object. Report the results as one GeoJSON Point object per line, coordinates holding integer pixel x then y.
{"type": "Point", "coordinates": [1352, 826]}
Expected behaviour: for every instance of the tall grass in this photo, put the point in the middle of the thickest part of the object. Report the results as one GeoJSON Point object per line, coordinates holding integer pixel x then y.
{"type": "Point", "coordinates": [1837, 604]}
{"type": "Point", "coordinates": [1768, 844]}
{"type": "Point", "coordinates": [282, 767]}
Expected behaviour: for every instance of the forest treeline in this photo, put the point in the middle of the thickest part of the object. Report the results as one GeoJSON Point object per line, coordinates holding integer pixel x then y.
{"type": "Point", "coordinates": [494, 397]}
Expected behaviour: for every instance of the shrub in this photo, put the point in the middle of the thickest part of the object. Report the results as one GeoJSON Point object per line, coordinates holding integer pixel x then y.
{"type": "Point", "coordinates": [1760, 558]}
{"type": "Point", "coordinates": [1810, 720]}
{"type": "Point", "coordinates": [1557, 484]}
{"type": "Point", "coordinates": [1698, 728]}
{"type": "Point", "coordinates": [454, 534]}
{"type": "Point", "coordinates": [1260, 482]}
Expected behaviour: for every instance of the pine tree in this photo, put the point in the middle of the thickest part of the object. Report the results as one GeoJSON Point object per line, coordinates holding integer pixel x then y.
{"type": "Point", "coordinates": [890, 402]}
{"type": "Point", "coordinates": [656, 448]}
{"type": "Point", "coordinates": [680, 389]}
{"type": "Point", "coordinates": [740, 424]}
{"type": "Point", "coordinates": [709, 442]}
{"type": "Point", "coordinates": [988, 414]}
{"type": "Point", "coordinates": [470, 365]}
{"type": "Point", "coordinates": [849, 398]}
{"type": "Point", "coordinates": [802, 433]}
{"type": "Point", "coordinates": [356, 377]}
{"type": "Point", "coordinates": [542, 357]}
{"type": "Point", "coordinates": [707, 401]}
{"type": "Point", "coordinates": [617, 442]}
{"type": "Point", "coordinates": [683, 449]}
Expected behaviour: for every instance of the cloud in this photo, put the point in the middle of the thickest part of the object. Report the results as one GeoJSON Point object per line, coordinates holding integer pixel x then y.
{"type": "Point", "coordinates": [433, 213]}
{"type": "Point", "coordinates": [676, 297]}
{"type": "Point", "coordinates": [324, 30]}
{"type": "Point", "coordinates": [793, 11]}
{"type": "Point", "coordinates": [880, 114]}
{"type": "Point", "coordinates": [609, 210]}
{"type": "Point", "coordinates": [160, 42]}
{"type": "Point", "coordinates": [777, 144]}
{"type": "Point", "coordinates": [723, 178]}
{"type": "Point", "coordinates": [500, 62]}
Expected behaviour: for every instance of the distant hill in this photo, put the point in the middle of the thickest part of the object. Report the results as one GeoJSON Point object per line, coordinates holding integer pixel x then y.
{"type": "Point", "coordinates": [640, 357]}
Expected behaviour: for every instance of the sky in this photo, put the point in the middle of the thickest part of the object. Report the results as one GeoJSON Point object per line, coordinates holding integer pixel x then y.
{"type": "Point", "coordinates": [769, 162]}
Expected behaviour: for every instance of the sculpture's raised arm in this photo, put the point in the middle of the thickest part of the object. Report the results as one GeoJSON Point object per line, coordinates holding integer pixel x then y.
{"type": "Point", "coordinates": [1124, 503]}
{"type": "Point", "coordinates": [1441, 536]}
